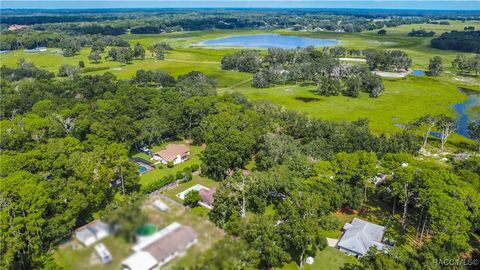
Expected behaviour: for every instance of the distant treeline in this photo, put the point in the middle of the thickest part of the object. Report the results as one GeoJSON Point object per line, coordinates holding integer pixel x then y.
{"type": "Point", "coordinates": [15, 40]}
{"type": "Point", "coordinates": [421, 33]}
{"type": "Point", "coordinates": [149, 22]}
{"type": "Point", "coordinates": [468, 41]}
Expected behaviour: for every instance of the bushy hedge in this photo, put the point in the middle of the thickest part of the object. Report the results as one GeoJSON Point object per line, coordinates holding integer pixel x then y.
{"type": "Point", "coordinates": [185, 175]}
{"type": "Point", "coordinates": [92, 69]}
{"type": "Point", "coordinates": [158, 184]}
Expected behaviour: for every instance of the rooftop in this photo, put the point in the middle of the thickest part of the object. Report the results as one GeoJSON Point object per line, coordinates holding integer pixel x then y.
{"type": "Point", "coordinates": [171, 151]}
{"type": "Point", "coordinates": [360, 235]}
{"type": "Point", "coordinates": [161, 246]}
{"type": "Point", "coordinates": [207, 195]}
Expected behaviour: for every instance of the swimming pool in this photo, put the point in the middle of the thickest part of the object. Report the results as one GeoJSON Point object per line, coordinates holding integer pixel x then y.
{"type": "Point", "coordinates": [143, 169]}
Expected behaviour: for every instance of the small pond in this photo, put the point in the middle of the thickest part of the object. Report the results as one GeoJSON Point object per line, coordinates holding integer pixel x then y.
{"type": "Point", "coordinates": [418, 72]}
{"type": "Point", "coordinates": [463, 118]}
{"type": "Point", "coordinates": [268, 41]}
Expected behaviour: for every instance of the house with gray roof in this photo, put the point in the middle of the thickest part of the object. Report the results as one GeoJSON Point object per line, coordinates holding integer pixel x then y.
{"type": "Point", "coordinates": [359, 236]}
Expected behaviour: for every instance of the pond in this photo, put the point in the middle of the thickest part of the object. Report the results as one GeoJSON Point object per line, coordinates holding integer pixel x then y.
{"type": "Point", "coordinates": [462, 110]}
{"type": "Point", "coordinates": [268, 41]}
{"type": "Point", "coordinates": [418, 72]}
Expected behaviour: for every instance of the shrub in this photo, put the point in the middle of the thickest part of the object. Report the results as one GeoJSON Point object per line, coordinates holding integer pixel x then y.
{"type": "Point", "coordinates": [91, 69]}
{"type": "Point", "coordinates": [180, 175]}
{"type": "Point", "coordinates": [195, 167]}
{"type": "Point", "coordinates": [169, 164]}
{"type": "Point", "coordinates": [158, 184]}
{"type": "Point", "coordinates": [192, 198]}
{"type": "Point", "coordinates": [187, 174]}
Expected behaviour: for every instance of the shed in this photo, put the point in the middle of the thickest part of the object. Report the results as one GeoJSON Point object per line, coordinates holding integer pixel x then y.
{"type": "Point", "coordinates": [92, 232]}
{"type": "Point", "coordinates": [158, 204]}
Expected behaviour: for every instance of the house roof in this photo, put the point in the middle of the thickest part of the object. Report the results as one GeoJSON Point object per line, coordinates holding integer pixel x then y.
{"type": "Point", "coordinates": [171, 151]}
{"type": "Point", "coordinates": [174, 238]}
{"type": "Point", "coordinates": [207, 195]}
{"type": "Point", "coordinates": [140, 261]}
{"type": "Point", "coordinates": [360, 235]}
{"type": "Point", "coordinates": [91, 230]}
{"type": "Point", "coordinates": [174, 242]}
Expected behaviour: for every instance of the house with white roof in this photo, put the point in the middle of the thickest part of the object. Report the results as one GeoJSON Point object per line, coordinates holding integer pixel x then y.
{"type": "Point", "coordinates": [92, 232]}
{"type": "Point", "coordinates": [161, 247]}
{"type": "Point", "coordinates": [359, 236]}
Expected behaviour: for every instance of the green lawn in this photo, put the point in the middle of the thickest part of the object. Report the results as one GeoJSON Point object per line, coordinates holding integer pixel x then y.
{"type": "Point", "coordinates": [162, 170]}
{"type": "Point", "coordinates": [171, 193]}
{"type": "Point", "coordinates": [403, 100]}
{"type": "Point", "coordinates": [328, 259]}
{"type": "Point", "coordinates": [80, 257]}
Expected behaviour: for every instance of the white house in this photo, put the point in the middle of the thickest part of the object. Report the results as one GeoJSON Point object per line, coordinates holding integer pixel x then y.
{"type": "Point", "coordinates": [92, 232]}
{"type": "Point", "coordinates": [161, 247]}
{"type": "Point", "coordinates": [175, 153]}
{"type": "Point", "coordinates": [359, 236]}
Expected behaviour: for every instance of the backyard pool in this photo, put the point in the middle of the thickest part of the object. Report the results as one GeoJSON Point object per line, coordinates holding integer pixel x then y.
{"type": "Point", "coordinates": [184, 193]}
{"type": "Point", "coordinates": [143, 169]}
{"type": "Point", "coordinates": [268, 41]}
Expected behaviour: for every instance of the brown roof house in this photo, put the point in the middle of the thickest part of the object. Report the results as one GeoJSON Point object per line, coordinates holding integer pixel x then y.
{"type": "Point", "coordinates": [175, 153]}
{"type": "Point", "coordinates": [161, 247]}
{"type": "Point", "coordinates": [207, 197]}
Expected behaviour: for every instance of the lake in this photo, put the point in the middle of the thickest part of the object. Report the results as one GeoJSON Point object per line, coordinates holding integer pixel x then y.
{"type": "Point", "coordinates": [268, 41]}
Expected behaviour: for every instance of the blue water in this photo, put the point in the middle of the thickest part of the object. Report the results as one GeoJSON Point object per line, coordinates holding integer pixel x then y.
{"type": "Point", "coordinates": [269, 41]}
{"type": "Point", "coordinates": [142, 169]}
{"type": "Point", "coordinates": [461, 109]}
{"type": "Point", "coordinates": [418, 72]}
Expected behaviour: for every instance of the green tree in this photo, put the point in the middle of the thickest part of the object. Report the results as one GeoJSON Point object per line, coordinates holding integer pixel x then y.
{"type": "Point", "coordinates": [158, 50]}
{"type": "Point", "coordinates": [382, 32]}
{"type": "Point", "coordinates": [474, 131]}
{"type": "Point", "coordinates": [263, 236]}
{"type": "Point", "coordinates": [192, 198]}
{"type": "Point", "coordinates": [435, 66]}
{"type": "Point", "coordinates": [328, 86]}
{"type": "Point", "coordinates": [138, 51]}
{"type": "Point", "coordinates": [23, 217]}
{"type": "Point", "coordinates": [127, 216]}
{"type": "Point", "coordinates": [299, 223]}
{"type": "Point", "coordinates": [95, 56]}
{"type": "Point", "coordinates": [219, 257]}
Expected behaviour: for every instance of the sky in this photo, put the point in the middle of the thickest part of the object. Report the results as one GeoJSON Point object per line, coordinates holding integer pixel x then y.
{"type": "Point", "coordinates": [377, 4]}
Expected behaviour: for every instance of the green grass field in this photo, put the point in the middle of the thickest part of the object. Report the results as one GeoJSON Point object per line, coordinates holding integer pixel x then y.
{"type": "Point", "coordinates": [403, 100]}
{"type": "Point", "coordinates": [328, 259]}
